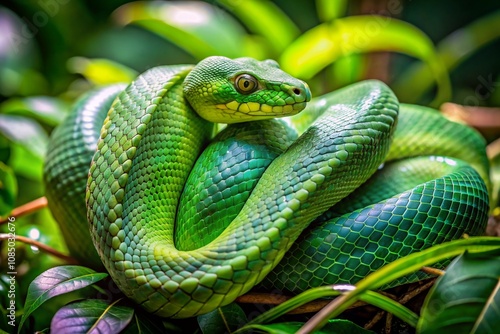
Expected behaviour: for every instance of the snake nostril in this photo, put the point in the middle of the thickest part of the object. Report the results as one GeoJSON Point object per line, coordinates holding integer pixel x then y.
{"type": "Point", "coordinates": [297, 91]}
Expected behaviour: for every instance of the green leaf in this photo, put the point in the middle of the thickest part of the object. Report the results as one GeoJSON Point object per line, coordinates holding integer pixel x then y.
{"type": "Point", "coordinates": [92, 316]}
{"type": "Point", "coordinates": [26, 163]}
{"type": "Point", "coordinates": [28, 142]}
{"type": "Point", "coordinates": [466, 299]}
{"type": "Point", "coordinates": [370, 297]}
{"type": "Point", "coordinates": [452, 51]}
{"type": "Point", "coordinates": [199, 28]}
{"type": "Point", "coordinates": [328, 42]}
{"type": "Point", "coordinates": [400, 268]}
{"type": "Point", "coordinates": [25, 132]}
{"type": "Point", "coordinates": [146, 323]}
{"type": "Point", "coordinates": [48, 110]}
{"type": "Point", "coordinates": [8, 189]}
{"type": "Point", "coordinates": [229, 318]}
{"type": "Point", "coordinates": [101, 71]}
{"type": "Point", "coordinates": [329, 10]}
{"type": "Point", "coordinates": [267, 20]}
{"type": "Point", "coordinates": [57, 281]}
{"type": "Point", "coordinates": [337, 326]}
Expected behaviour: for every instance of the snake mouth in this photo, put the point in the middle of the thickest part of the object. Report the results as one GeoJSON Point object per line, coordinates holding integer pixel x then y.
{"type": "Point", "coordinates": [243, 109]}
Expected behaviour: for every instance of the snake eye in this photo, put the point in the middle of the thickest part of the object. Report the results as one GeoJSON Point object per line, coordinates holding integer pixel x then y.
{"type": "Point", "coordinates": [245, 84]}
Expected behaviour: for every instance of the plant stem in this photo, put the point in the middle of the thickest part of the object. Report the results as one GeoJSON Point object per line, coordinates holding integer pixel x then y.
{"type": "Point", "coordinates": [41, 246]}
{"type": "Point", "coordinates": [26, 209]}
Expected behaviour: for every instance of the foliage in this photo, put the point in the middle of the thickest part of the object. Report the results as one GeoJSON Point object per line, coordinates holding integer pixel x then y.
{"type": "Point", "coordinates": [47, 61]}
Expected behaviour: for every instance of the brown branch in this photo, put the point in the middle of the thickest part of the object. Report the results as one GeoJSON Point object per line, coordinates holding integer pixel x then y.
{"type": "Point", "coordinates": [39, 245]}
{"type": "Point", "coordinates": [26, 209]}
{"type": "Point", "coordinates": [262, 298]}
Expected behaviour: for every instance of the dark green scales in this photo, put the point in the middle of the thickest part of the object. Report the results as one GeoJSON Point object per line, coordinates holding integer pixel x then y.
{"type": "Point", "coordinates": [252, 192]}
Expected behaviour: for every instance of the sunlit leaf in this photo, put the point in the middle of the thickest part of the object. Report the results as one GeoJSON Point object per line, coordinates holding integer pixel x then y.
{"type": "Point", "coordinates": [265, 19]}
{"type": "Point", "coordinates": [57, 281]}
{"type": "Point", "coordinates": [227, 318]}
{"type": "Point", "coordinates": [8, 189]}
{"type": "Point", "coordinates": [92, 316]}
{"type": "Point", "coordinates": [199, 28]}
{"type": "Point", "coordinates": [46, 109]}
{"type": "Point", "coordinates": [329, 10]}
{"type": "Point", "coordinates": [101, 71]}
{"type": "Point", "coordinates": [466, 299]}
{"type": "Point", "coordinates": [328, 42]}
{"type": "Point", "coordinates": [452, 51]}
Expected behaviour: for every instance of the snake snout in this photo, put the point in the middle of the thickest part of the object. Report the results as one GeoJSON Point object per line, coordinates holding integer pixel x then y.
{"type": "Point", "coordinates": [301, 93]}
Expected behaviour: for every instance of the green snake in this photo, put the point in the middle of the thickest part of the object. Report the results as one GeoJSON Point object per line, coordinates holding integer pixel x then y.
{"type": "Point", "coordinates": [186, 222]}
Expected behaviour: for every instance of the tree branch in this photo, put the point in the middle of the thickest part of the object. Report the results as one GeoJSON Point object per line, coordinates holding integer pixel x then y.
{"type": "Point", "coordinates": [26, 209]}
{"type": "Point", "coordinates": [41, 246]}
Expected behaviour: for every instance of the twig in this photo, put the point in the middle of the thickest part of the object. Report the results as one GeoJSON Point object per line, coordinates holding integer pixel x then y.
{"type": "Point", "coordinates": [432, 271]}
{"type": "Point", "coordinates": [374, 320]}
{"type": "Point", "coordinates": [411, 294]}
{"type": "Point", "coordinates": [26, 209]}
{"type": "Point", "coordinates": [41, 246]}
{"type": "Point", "coordinates": [493, 149]}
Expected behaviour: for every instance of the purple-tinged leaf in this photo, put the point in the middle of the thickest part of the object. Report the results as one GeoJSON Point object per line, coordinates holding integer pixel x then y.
{"type": "Point", "coordinates": [92, 316]}
{"type": "Point", "coordinates": [57, 281]}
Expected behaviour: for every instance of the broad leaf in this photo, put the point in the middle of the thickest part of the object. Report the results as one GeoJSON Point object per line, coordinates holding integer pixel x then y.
{"type": "Point", "coordinates": [92, 316]}
{"type": "Point", "coordinates": [265, 19]}
{"type": "Point", "coordinates": [199, 28]}
{"type": "Point", "coordinates": [227, 318]}
{"type": "Point", "coordinates": [28, 142]}
{"type": "Point", "coordinates": [46, 109]}
{"type": "Point", "coordinates": [57, 281]}
{"type": "Point", "coordinates": [329, 10]}
{"type": "Point", "coordinates": [466, 299]}
{"type": "Point", "coordinates": [328, 42]}
{"type": "Point", "coordinates": [8, 189]}
{"type": "Point", "coordinates": [25, 132]}
{"type": "Point", "coordinates": [101, 71]}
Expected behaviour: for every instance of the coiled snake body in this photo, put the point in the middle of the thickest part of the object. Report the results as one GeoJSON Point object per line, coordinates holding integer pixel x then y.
{"type": "Point", "coordinates": [255, 188]}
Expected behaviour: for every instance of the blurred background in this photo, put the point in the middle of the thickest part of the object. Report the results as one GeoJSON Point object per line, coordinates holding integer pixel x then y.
{"type": "Point", "coordinates": [443, 54]}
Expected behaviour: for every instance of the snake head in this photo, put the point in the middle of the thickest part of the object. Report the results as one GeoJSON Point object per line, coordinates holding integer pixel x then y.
{"type": "Point", "coordinates": [224, 90]}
